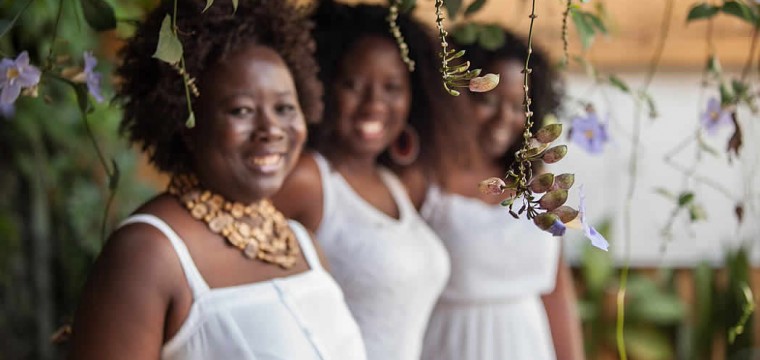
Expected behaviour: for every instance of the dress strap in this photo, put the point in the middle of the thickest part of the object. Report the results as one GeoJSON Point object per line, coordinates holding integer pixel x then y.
{"type": "Point", "coordinates": [433, 197]}
{"type": "Point", "coordinates": [328, 194]}
{"type": "Point", "coordinates": [197, 285]}
{"type": "Point", "coordinates": [399, 193]}
{"type": "Point", "coordinates": [306, 244]}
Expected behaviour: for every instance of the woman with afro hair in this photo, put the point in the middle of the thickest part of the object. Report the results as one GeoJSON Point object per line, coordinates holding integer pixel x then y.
{"type": "Point", "coordinates": [510, 295]}
{"type": "Point", "coordinates": [210, 269]}
{"type": "Point", "coordinates": [388, 262]}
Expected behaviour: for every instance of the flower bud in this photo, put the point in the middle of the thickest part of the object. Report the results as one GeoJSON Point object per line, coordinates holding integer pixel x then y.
{"type": "Point", "coordinates": [484, 83]}
{"type": "Point", "coordinates": [555, 154]}
{"type": "Point", "coordinates": [553, 199]}
{"type": "Point", "coordinates": [492, 186]}
{"type": "Point", "coordinates": [541, 183]}
{"type": "Point", "coordinates": [549, 133]}
{"type": "Point", "coordinates": [564, 181]}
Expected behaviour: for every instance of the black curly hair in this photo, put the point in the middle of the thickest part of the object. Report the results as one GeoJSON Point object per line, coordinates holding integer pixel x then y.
{"type": "Point", "coordinates": [433, 113]}
{"type": "Point", "coordinates": [546, 87]}
{"type": "Point", "coordinates": [153, 93]}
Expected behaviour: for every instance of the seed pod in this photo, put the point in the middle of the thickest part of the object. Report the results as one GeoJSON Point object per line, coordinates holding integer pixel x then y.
{"type": "Point", "coordinates": [565, 213]}
{"type": "Point", "coordinates": [553, 199]}
{"type": "Point", "coordinates": [541, 183]}
{"type": "Point", "coordinates": [549, 133]}
{"type": "Point", "coordinates": [545, 220]}
{"type": "Point", "coordinates": [535, 149]}
{"type": "Point", "coordinates": [555, 154]}
{"type": "Point", "coordinates": [484, 83]}
{"type": "Point", "coordinates": [564, 181]}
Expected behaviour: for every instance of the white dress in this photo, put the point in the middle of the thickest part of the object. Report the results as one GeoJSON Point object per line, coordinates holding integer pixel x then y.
{"type": "Point", "coordinates": [301, 316]}
{"type": "Point", "coordinates": [491, 308]}
{"type": "Point", "coordinates": [391, 271]}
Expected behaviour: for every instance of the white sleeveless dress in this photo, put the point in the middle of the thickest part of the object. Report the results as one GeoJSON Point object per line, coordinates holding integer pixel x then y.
{"type": "Point", "coordinates": [301, 316]}
{"type": "Point", "coordinates": [491, 308]}
{"type": "Point", "coordinates": [391, 271]}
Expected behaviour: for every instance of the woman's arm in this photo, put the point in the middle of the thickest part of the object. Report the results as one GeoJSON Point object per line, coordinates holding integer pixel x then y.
{"type": "Point", "coordinates": [562, 310]}
{"type": "Point", "coordinates": [300, 197]}
{"type": "Point", "coordinates": [124, 304]}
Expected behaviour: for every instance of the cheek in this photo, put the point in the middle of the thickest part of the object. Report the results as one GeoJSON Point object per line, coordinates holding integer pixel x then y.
{"type": "Point", "coordinates": [483, 113]}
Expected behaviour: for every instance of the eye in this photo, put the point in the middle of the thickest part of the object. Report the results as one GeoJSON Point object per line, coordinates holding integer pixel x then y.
{"type": "Point", "coordinates": [240, 111]}
{"type": "Point", "coordinates": [351, 84]}
{"type": "Point", "coordinates": [394, 87]}
{"type": "Point", "coordinates": [285, 108]}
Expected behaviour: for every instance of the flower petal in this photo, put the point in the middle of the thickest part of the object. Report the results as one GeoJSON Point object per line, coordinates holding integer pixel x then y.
{"type": "Point", "coordinates": [596, 238]}
{"type": "Point", "coordinates": [557, 228]}
{"type": "Point", "coordinates": [10, 93]}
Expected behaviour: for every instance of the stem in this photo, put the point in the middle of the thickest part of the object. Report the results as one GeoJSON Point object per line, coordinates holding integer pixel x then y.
{"type": "Point", "coordinates": [49, 64]}
{"type": "Point", "coordinates": [565, 43]}
{"type": "Point", "coordinates": [13, 21]}
{"type": "Point", "coordinates": [403, 48]}
{"type": "Point", "coordinates": [619, 328]}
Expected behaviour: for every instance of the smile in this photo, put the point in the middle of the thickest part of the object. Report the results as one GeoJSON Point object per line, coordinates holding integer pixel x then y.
{"type": "Point", "coordinates": [371, 129]}
{"type": "Point", "coordinates": [267, 163]}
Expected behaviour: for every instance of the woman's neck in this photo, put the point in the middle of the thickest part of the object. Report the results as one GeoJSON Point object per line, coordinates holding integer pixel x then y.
{"type": "Point", "coordinates": [352, 164]}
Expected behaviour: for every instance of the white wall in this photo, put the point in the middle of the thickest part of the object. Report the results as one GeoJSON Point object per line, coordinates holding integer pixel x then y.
{"type": "Point", "coordinates": [606, 177]}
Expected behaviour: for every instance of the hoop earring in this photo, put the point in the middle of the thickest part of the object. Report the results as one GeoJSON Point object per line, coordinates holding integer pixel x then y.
{"type": "Point", "coordinates": [406, 148]}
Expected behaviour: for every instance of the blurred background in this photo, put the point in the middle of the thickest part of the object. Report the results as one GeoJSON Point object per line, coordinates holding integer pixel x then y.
{"type": "Point", "coordinates": [694, 208]}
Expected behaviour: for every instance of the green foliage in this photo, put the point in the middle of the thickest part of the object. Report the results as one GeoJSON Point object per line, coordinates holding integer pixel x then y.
{"type": "Point", "coordinates": [737, 9]}
{"type": "Point", "coordinates": [587, 24]}
{"type": "Point", "coordinates": [474, 7]}
{"type": "Point", "coordinates": [99, 15]}
{"type": "Point", "coordinates": [452, 8]}
{"type": "Point", "coordinates": [169, 47]}
{"type": "Point", "coordinates": [702, 11]}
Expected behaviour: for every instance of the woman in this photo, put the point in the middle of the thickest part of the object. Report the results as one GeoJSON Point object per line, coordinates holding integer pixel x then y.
{"type": "Point", "coordinates": [210, 269]}
{"type": "Point", "coordinates": [388, 262]}
{"type": "Point", "coordinates": [502, 268]}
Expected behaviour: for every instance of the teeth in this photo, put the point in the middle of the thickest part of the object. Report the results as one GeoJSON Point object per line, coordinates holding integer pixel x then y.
{"type": "Point", "coordinates": [267, 160]}
{"type": "Point", "coordinates": [371, 127]}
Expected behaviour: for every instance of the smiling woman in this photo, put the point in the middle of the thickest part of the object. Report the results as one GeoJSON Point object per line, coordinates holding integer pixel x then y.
{"type": "Point", "coordinates": [211, 269]}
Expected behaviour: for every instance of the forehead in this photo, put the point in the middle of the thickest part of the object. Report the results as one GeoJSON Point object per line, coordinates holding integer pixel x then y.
{"type": "Point", "coordinates": [249, 66]}
{"type": "Point", "coordinates": [373, 51]}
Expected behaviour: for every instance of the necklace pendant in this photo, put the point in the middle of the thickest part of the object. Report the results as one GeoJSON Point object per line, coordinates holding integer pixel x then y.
{"type": "Point", "coordinates": [251, 250]}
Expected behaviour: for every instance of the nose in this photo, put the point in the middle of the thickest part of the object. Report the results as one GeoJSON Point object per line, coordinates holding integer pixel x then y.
{"type": "Point", "coordinates": [374, 99]}
{"type": "Point", "coordinates": [267, 127]}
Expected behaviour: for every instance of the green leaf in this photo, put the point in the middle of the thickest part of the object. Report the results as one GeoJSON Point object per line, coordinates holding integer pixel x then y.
{"type": "Point", "coordinates": [190, 123]}
{"type": "Point", "coordinates": [113, 178]}
{"type": "Point", "coordinates": [713, 65]}
{"type": "Point", "coordinates": [704, 146]}
{"type": "Point", "coordinates": [208, 5]}
{"type": "Point", "coordinates": [474, 7]}
{"type": "Point", "coordinates": [596, 22]}
{"type": "Point", "coordinates": [685, 198]}
{"type": "Point", "coordinates": [169, 47]}
{"type": "Point", "coordinates": [83, 101]}
{"type": "Point", "coordinates": [702, 11]}
{"type": "Point", "coordinates": [665, 192]}
{"type": "Point", "coordinates": [491, 37]}
{"type": "Point", "coordinates": [741, 11]}
{"type": "Point", "coordinates": [697, 213]}
{"type": "Point", "coordinates": [466, 34]}
{"type": "Point", "coordinates": [99, 14]}
{"type": "Point", "coordinates": [452, 7]}
{"type": "Point", "coordinates": [234, 5]}
{"type": "Point", "coordinates": [619, 83]}
{"type": "Point", "coordinates": [726, 95]}
{"type": "Point", "coordinates": [585, 30]}
{"type": "Point", "coordinates": [740, 88]}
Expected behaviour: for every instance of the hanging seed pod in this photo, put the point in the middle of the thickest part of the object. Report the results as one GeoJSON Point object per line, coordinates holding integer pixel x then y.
{"type": "Point", "coordinates": [535, 149]}
{"type": "Point", "coordinates": [549, 133]}
{"type": "Point", "coordinates": [541, 183]}
{"type": "Point", "coordinates": [564, 181]}
{"type": "Point", "coordinates": [566, 214]}
{"type": "Point", "coordinates": [553, 199]}
{"type": "Point", "coordinates": [484, 83]}
{"type": "Point", "coordinates": [554, 154]}
{"type": "Point", "coordinates": [545, 220]}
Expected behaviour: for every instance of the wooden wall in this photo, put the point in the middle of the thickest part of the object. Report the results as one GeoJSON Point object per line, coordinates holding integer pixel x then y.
{"type": "Point", "coordinates": [635, 30]}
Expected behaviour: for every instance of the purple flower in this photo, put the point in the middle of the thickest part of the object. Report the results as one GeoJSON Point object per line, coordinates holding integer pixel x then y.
{"type": "Point", "coordinates": [588, 132]}
{"type": "Point", "coordinates": [596, 238]}
{"type": "Point", "coordinates": [16, 75]}
{"type": "Point", "coordinates": [557, 228]}
{"type": "Point", "coordinates": [91, 77]}
{"type": "Point", "coordinates": [7, 111]}
{"type": "Point", "coordinates": [715, 116]}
